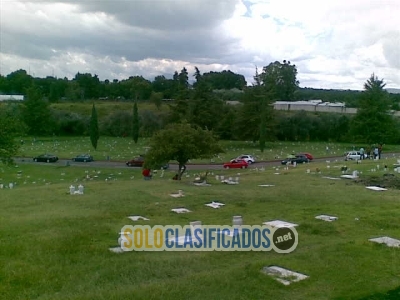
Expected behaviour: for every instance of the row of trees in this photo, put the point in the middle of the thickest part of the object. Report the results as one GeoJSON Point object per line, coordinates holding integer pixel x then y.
{"type": "Point", "coordinates": [200, 108]}
{"type": "Point", "coordinates": [226, 85]}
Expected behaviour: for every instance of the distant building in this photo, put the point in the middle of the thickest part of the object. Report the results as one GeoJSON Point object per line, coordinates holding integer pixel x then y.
{"type": "Point", "coordinates": [314, 106]}
{"type": "Point", "coordinates": [11, 97]}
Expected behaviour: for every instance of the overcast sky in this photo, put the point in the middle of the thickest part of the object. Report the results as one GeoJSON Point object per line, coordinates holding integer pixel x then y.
{"type": "Point", "coordinates": [334, 43]}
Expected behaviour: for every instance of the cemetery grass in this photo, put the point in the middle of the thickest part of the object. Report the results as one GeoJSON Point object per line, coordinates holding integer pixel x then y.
{"type": "Point", "coordinates": [123, 149]}
{"type": "Point", "coordinates": [55, 245]}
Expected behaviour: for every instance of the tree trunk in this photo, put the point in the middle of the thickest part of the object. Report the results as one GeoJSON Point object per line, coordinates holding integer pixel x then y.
{"type": "Point", "coordinates": [182, 169]}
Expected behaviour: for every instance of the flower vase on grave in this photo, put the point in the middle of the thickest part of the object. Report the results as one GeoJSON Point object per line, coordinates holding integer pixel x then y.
{"type": "Point", "coordinates": [72, 190]}
{"type": "Point", "coordinates": [216, 177]}
{"type": "Point", "coordinates": [1, 186]}
{"type": "Point", "coordinates": [10, 185]}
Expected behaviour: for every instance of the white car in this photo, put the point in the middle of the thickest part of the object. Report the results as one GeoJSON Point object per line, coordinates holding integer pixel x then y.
{"type": "Point", "coordinates": [247, 158]}
{"type": "Point", "coordinates": [354, 155]}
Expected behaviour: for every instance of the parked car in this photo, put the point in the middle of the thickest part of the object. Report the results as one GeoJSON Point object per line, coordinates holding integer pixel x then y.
{"type": "Point", "coordinates": [236, 164]}
{"type": "Point", "coordinates": [354, 155]}
{"type": "Point", "coordinates": [136, 162]}
{"type": "Point", "coordinates": [247, 158]}
{"type": "Point", "coordinates": [83, 158]}
{"type": "Point", "coordinates": [308, 155]}
{"type": "Point", "coordinates": [139, 161]}
{"type": "Point", "coordinates": [299, 159]}
{"type": "Point", "coordinates": [46, 158]}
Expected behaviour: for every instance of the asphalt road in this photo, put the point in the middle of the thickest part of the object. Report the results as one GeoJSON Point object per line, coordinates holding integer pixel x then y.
{"type": "Point", "coordinates": [121, 164]}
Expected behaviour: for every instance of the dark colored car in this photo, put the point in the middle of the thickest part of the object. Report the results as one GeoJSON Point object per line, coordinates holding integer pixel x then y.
{"type": "Point", "coordinates": [308, 155]}
{"type": "Point", "coordinates": [136, 162]}
{"type": "Point", "coordinates": [299, 159]}
{"type": "Point", "coordinates": [236, 164]}
{"type": "Point", "coordinates": [83, 158]}
{"type": "Point", "coordinates": [46, 158]}
{"type": "Point", "coordinates": [139, 161]}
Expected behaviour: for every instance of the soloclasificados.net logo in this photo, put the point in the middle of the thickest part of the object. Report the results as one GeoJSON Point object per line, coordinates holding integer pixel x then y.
{"type": "Point", "coordinates": [208, 238]}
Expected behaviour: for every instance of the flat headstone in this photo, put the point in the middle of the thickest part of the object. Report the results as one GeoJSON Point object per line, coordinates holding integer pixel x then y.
{"type": "Point", "coordinates": [284, 276]}
{"type": "Point", "coordinates": [386, 240]}
{"type": "Point", "coordinates": [116, 250]}
{"type": "Point", "coordinates": [180, 210]}
{"type": "Point", "coordinates": [348, 176]}
{"type": "Point", "coordinates": [280, 224]}
{"type": "Point", "coordinates": [332, 178]}
{"type": "Point", "coordinates": [326, 218]}
{"type": "Point", "coordinates": [266, 185]}
{"type": "Point", "coordinates": [375, 188]}
{"type": "Point", "coordinates": [214, 204]}
{"type": "Point", "coordinates": [136, 218]}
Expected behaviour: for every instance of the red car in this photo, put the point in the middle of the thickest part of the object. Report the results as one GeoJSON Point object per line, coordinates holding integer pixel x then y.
{"type": "Point", "coordinates": [236, 164]}
{"type": "Point", "coordinates": [308, 155]}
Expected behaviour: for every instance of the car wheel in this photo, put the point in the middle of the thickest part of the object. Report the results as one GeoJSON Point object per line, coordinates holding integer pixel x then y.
{"type": "Point", "coordinates": [35, 160]}
{"type": "Point", "coordinates": [243, 167]}
{"type": "Point", "coordinates": [84, 160]}
{"type": "Point", "coordinates": [48, 160]}
{"type": "Point", "coordinates": [227, 167]}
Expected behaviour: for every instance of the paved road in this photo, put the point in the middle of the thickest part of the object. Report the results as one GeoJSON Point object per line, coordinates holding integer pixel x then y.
{"type": "Point", "coordinates": [121, 164]}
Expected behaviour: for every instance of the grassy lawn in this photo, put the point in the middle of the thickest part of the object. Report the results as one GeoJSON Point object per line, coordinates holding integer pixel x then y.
{"type": "Point", "coordinates": [55, 246]}
{"type": "Point", "coordinates": [122, 149]}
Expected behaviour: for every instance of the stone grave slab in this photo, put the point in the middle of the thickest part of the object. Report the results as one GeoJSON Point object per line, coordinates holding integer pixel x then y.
{"type": "Point", "coordinates": [137, 218]}
{"type": "Point", "coordinates": [280, 224]}
{"type": "Point", "coordinates": [375, 188]}
{"type": "Point", "coordinates": [214, 204]}
{"type": "Point", "coordinates": [266, 185]}
{"type": "Point", "coordinates": [116, 250]}
{"type": "Point", "coordinates": [332, 178]}
{"type": "Point", "coordinates": [180, 210]}
{"type": "Point", "coordinates": [326, 218]}
{"type": "Point", "coordinates": [283, 275]}
{"type": "Point", "coordinates": [390, 242]}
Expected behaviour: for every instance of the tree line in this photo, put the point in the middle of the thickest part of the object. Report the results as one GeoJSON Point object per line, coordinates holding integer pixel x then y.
{"type": "Point", "coordinates": [202, 107]}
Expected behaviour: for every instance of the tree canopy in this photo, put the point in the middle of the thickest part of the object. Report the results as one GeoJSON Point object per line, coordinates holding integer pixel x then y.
{"type": "Point", "coordinates": [181, 142]}
{"type": "Point", "coordinates": [373, 122]}
{"type": "Point", "coordinates": [10, 127]}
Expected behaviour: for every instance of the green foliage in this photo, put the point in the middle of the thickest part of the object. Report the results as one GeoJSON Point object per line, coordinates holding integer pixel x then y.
{"type": "Point", "coordinates": [373, 122]}
{"type": "Point", "coordinates": [94, 128]}
{"type": "Point", "coordinates": [156, 98]}
{"type": "Point", "coordinates": [181, 142]}
{"type": "Point", "coordinates": [70, 123]}
{"type": "Point", "coordinates": [36, 113]}
{"type": "Point", "coordinates": [135, 123]}
{"type": "Point", "coordinates": [263, 126]}
{"type": "Point", "coordinates": [150, 122]}
{"type": "Point", "coordinates": [280, 80]}
{"type": "Point", "coordinates": [117, 124]}
{"type": "Point", "coordinates": [10, 128]}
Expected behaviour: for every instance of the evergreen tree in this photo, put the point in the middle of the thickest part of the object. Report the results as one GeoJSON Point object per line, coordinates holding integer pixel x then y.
{"type": "Point", "coordinates": [135, 123]}
{"type": "Point", "coordinates": [94, 128]}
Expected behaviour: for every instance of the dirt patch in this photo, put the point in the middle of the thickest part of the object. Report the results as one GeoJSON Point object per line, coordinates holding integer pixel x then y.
{"type": "Point", "coordinates": [384, 181]}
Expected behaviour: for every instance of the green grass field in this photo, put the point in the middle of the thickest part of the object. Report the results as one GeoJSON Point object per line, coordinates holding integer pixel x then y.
{"type": "Point", "coordinates": [122, 149]}
{"type": "Point", "coordinates": [55, 245]}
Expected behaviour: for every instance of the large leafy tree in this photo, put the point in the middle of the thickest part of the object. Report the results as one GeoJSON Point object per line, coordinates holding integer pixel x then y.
{"type": "Point", "coordinates": [373, 122]}
{"type": "Point", "coordinates": [135, 123]}
{"type": "Point", "coordinates": [36, 113]}
{"type": "Point", "coordinates": [256, 113]}
{"type": "Point", "coordinates": [10, 127]}
{"type": "Point", "coordinates": [181, 142]}
{"type": "Point", "coordinates": [94, 128]}
{"type": "Point", "coordinates": [280, 80]}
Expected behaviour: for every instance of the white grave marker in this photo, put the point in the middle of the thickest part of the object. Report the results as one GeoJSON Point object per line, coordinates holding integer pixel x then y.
{"type": "Point", "coordinates": [326, 218]}
{"type": "Point", "coordinates": [137, 218]}
{"type": "Point", "coordinates": [284, 276]}
{"type": "Point", "coordinates": [386, 240]}
{"type": "Point", "coordinates": [280, 224]}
